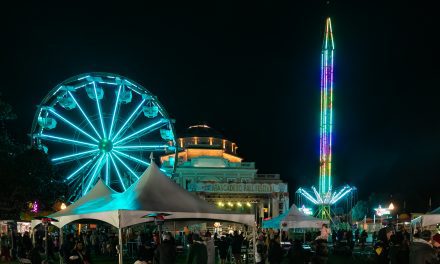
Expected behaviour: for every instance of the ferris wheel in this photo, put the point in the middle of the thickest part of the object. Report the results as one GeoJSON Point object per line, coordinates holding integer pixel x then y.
{"type": "Point", "coordinates": [101, 125]}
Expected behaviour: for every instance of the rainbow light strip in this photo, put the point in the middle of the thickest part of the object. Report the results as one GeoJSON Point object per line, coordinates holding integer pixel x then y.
{"type": "Point", "coordinates": [325, 196]}
{"type": "Point", "coordinates": [325, 156]}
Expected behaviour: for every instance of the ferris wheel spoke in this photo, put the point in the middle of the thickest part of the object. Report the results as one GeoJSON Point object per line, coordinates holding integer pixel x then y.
{"type": "Point", "coordinates": [98, 104]}
{"type": "Point", "coordinates": [117, 172]}
{"type": "Point", "coordinates": [146, 130]}
{"type": "Point", "coordinates": [67, 141]}
{"type": "Point", "coordinates": [142, 147]}
{"type": "Point", "coordinates": [126, 166]}
{"type": "Point", "coordinates": [96, 170]}
{"type": "Point", "coordinates": [129, 121]}
{"type": "Point", "coordinates": [130, 157]}
{"type": "Point", "coordinates": [75, 193]}
{"type": "Point", "coordinates": [84, 114]}
{"type": "Point", "coordinates": [76, 156]}
{"type": "Point", "coordinates": [107, 170]}
{"type": "Point", "coordinates": [114, 112]}
{"type": "Point", "coordinates": [72, 125]}
{"type": "Point", "coordinates": [78, 170]}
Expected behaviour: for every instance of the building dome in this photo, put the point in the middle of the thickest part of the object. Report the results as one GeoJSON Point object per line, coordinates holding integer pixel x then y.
{"type": "Point", "coordinates": [201, 131]}
{"type": "Point", "coordinates": [201, 145]}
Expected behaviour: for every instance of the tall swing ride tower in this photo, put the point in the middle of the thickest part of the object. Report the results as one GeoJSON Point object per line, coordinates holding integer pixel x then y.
{"type": "Point", "coordinates": [326, 196]}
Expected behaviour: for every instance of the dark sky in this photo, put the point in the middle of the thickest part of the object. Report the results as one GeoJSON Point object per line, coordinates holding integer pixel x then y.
{"type": "Point", "coordinates": [251, 70]}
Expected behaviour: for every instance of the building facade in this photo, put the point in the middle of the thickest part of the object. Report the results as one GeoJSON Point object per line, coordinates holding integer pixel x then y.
{"type": "Point", "coordinates": [208, 164]}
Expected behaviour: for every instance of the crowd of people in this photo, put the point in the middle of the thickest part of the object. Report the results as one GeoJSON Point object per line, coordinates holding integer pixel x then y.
{"type": "Point", "coordinates": [202, 248]}
{"type": "Point", "coordinates": [390, 245]}
{"type": "Point", "coordinates": [395, 247]}
{"type": "Point", "coordinates": [74, 249]}
{"type": "Point", "coordinates": [16, 246]}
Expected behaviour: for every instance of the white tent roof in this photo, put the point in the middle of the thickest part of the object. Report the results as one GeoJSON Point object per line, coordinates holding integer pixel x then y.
{"type": "Point", "coordinates": [294, 218]}
{"type": "Point", "coordinates": [431, 218]}
{"type": "Point", "coordinates": [101, 193]}
{"type": "Point", "coordinates": [153, 192]}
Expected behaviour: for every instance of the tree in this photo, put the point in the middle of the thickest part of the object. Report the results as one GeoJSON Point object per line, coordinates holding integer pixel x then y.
{"type": "Point", "coordinates": [7, 146]}
{"type": "Point", "coordinates": [26, 173]}
{"type": "Point", "coordinates": [360, 210]}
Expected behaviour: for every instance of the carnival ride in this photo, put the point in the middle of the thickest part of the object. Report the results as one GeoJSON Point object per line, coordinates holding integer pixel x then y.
{"type": "Point", "coordinates": [325, 196]}
{"type": "Point", "coordinates": [101, 125]}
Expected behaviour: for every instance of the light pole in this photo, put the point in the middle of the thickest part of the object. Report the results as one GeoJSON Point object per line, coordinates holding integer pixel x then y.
{"type": "Point", "coordinates": [46, 221]}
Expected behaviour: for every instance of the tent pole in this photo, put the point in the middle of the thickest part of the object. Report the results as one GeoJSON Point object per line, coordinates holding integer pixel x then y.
{"type": "Point", "coordinates": [121, 261]}
{"type": "Point", "coordinates": [120, 245]}
{"type": "Point", "coordinates": [254, 234]}
{"type": "Point", "coordinates": [60, 242]}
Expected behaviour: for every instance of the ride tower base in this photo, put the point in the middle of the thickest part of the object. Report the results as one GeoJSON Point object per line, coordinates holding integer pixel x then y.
{"type": "Point", "coordinates": [324, 212]}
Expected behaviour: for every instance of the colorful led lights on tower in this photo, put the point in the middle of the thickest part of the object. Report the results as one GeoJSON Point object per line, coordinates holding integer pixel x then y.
{"type": "Point", "coordinates": [325, 184]}
{"type": "Point", "coordinates": [325, 196]}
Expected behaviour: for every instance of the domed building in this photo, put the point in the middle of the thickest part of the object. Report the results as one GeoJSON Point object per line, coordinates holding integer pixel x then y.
{"type": "Point", "coordinates": [208, 164]}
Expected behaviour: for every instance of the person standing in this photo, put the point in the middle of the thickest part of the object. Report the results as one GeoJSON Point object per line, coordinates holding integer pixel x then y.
{"type": "Point", "coordinates": [198, 254]}
{"type": "Point", "coordinates": [382, 245]}
{"type": "Point", "coordinates": [236, 244]}
{"type": "Point", "coordinates": [321, 248]}
{"type": "Point", "coordinates": [275, 254]}
{"type": "Point", "coordinates": [166, 251]}
{"type": "Point", "coordinates": [297, 254]}
{"type": "Point", "coordinates": [209, 243]}
{"type": "Point", "coordinates": [5, 253]}
{"type": "Point", "coordinates": [421, 251]}
{"type": "Point", "coordinates": [79, 254]}
{"type": "Point", "coordinates": [436, 244]}
{"type": "Point", "coordinates": [260, 255]}
{"type": "Point", "coordinates": [356, 236]}
{"type": "Point", "coordinates": [223, 249]}
{"type": "Point", "coordinates": [363, 239]}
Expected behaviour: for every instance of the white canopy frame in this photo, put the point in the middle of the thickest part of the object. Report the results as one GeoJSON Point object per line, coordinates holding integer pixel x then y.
{"type": "Point", "coordinates": [153, 192]}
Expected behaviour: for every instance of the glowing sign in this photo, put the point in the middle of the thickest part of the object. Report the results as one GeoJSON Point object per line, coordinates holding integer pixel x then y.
{"type": "Point", "coordinates": [382, 211]}
{"type": "Point", "coordinates": [306, 211]}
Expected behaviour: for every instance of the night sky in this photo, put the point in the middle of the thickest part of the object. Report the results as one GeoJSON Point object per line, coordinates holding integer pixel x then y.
{"type": "Point", "coordinates": [252, 71]}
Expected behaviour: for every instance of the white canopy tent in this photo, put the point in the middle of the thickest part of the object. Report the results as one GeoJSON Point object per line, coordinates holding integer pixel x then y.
{"type": "Point", "coordinates": [153, 192]}
{"type": "Point", "coordinates": [100, 194]}
{"type": "Point", "coordinates": [294, 218]}
{"type": "Point", "coordinates": [429, 219]}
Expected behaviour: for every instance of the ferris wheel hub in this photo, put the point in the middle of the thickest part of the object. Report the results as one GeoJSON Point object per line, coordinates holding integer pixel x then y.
{"type": "Point", "coordinates": [105, 145]}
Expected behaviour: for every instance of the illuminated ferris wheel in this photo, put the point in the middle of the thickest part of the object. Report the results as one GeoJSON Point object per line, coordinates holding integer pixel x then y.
{"type": "Point", "coordinates": [101, 125]}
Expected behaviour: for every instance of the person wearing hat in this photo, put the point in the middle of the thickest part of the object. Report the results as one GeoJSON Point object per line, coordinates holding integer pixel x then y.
{"type": "Point", "coordinates": [421, 251]}
{"type": "Point", "coordinates": [165, 253]}
{"type": "Point", "coordinates": [198, 254]}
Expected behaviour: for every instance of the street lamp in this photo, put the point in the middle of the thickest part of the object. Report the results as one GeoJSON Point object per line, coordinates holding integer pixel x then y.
{"type": "Point", "coordinates": [159, 218]}
{"type": "Point", "coordinates": [46, 221]}
{"type": "Point", "coordinates": [63, 206]}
